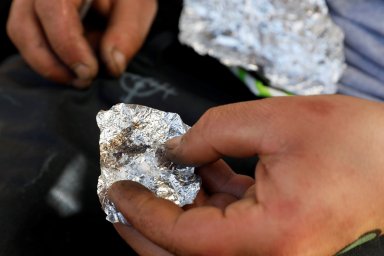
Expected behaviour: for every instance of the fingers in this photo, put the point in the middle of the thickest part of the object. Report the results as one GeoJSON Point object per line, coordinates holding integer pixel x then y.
{"type": "Point", "coordinates": [129, 24]}
{"type": "Point", "coordinates": [219, 178]}
{"type": "Point", "coordinates": [138, 242]}
{"type": "Point", "coordinates": [62, 25]}
{"type": "Point", "coordinates": [221, 200]}
{"type": "Point", "coordinates": [236, 130]}
{"type": "Point", "coordinates": [151, 216]}
{"type": "Point", "coordinates": [25, 32]}
{"type": "Point", "coordinates": [49, 35]}
{"type": "Point", "coordinates": [164, 223]}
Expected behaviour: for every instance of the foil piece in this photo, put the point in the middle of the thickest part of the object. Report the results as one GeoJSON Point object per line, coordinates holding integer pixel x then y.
{"type": "Point", "coordinates": [131, 148]}
{"type": "Point", "coordinates": [293, 44]}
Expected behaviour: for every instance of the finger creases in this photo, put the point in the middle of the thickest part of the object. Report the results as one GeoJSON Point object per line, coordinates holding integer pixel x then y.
{"type": "Point", "coordinates": [26, 33]}
{"type": "Point", "coordinates": [219, 178]}
{"type": "Point", "coordinates": [235, 130]}
{"type": "Point", "coordinates": [133, 200]}
{"type": "Point", "coordinates": [128, 26]}
{"type": "Point", "coordinates": [160, 220]}
{"type": "Point", "coordinates": [63, 29]}
{"type": "Point", "coordinates": [152, 216]}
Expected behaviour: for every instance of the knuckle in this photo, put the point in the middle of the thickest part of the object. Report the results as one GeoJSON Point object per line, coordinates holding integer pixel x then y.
{"type": "Point", "coordinates": [13, 29]}
{"type": "Point", "coordinates": [128, 42]}
{"type": "Point", "coordinates": [211, 116]}
{"type": "Point", "coordinates": [208, 121]}
{"type": "Point", "coordinates": [269, 108]}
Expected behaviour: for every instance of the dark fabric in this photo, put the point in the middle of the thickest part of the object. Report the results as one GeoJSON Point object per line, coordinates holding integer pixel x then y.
{"type": "Point", "coordinates": [6, 47]}
{"type": "Point", "coordinates": [48, 131]}
{"type": "Point", "coordinates": [49, 152]}
{"type": "Point", "coordinates": [49, 155]}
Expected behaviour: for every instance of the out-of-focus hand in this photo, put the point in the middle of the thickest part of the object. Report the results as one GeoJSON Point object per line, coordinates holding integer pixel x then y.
{"type": "Point", "coordinates": [318, 184]}
{"type": "Point", "coordinates": [50, 36]}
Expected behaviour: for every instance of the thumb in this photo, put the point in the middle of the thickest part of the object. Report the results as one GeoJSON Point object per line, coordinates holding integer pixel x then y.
{"type": "Point", "coordinates": [235, 130]}
{"type": "Point", "coordinates": [129, 24]}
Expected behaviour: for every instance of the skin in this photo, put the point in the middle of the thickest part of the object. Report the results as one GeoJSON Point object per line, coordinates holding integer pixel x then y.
{"type": "Point", "coordinates": [317, 186]}
{"type": "Point", "coordinates": [318, 183]}
{"type": "Point", "coordinates": [52, 39]}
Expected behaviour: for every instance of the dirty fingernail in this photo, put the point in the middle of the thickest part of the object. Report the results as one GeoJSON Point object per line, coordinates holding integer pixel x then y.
{"type": "Point", "coordinates": [82, 71]}
{"type": "Point", "coordinates": [173, 143]}
{"type": "Point", "coordinates": [83, 76]}
{"type": "Point", "coordinates": [119, 60]}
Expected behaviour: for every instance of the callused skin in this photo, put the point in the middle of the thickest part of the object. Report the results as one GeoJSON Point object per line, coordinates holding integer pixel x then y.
{"type": "Point", "coordinates": [318, 183]}
{"type": "Point", "coordinates": [316, 188]}
{"type": "Point", "coordinates": [51, 38]}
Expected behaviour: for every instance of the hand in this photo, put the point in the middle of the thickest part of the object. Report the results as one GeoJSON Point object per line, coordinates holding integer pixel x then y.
{"type": "Point", "coordinates": [318, 182]}
{"type": "Point", "coordinates": [51, 38]}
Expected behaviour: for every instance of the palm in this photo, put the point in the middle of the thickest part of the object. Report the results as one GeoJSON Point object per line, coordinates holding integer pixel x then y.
{"type": "Point", "coordinates": [221, 186]}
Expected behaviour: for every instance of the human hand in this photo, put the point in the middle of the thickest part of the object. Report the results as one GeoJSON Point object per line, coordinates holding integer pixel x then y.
{"type": "Point", "coordinates": [318, 183]}
{"type": "Point", "coordinates": [51, 37]}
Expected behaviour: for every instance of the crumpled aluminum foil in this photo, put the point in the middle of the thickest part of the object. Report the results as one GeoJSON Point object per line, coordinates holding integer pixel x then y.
{"type": "Point", "coordinates": [293, 44]}
{"type": "Point", "coordinates": [131, 148]}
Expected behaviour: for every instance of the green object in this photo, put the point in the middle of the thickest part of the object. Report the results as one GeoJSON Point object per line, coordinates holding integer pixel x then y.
{"type": "Point", "coordinates": [262, 90]}
{"type": "Point", "coordinates": [362, 240]}
{"type": "Point", "coordinates": [256, 86]}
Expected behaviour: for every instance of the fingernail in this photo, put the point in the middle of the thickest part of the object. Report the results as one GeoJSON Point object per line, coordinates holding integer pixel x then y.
{"type": "Point", "coordinates": [119, 60]}
{"type": "Point", "coordinates": [114, 191]}
{"type": "Point", "coordinates": [81, 84]}
{"type": "Point", "coordinates": [82, 71]}
{"type": "Point", "coordinates": [114, 195]}
{"type": "Point", "coordinates": [173, 143]}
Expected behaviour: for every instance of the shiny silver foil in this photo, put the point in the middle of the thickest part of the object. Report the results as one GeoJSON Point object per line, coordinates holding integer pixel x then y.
{"type": "Point", "coordinates": [131, 148]}
{"type": "Point", "coordinates": [292, 43]}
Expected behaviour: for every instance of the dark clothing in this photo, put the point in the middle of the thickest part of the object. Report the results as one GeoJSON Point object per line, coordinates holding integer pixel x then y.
{"type": "Point", "coordinates": [49, 152]}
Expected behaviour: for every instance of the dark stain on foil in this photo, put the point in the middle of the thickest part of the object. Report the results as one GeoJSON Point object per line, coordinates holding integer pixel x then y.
{"type": "Point", "coordinates": [131, 148]}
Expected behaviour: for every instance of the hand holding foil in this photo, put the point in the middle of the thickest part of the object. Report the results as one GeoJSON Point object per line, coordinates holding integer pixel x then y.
{"type": "Point", "coordinates": [317, 185]}
{"type": "Point", "coordinates": [131, 148]}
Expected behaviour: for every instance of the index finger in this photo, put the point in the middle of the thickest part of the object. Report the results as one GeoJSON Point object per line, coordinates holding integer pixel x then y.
{"type": "Point", "coordinates": [61, 22]}
{"type": "Point", "coordinates": [25, 31]}
{"type": "Point", "coordinates": [235, 130]}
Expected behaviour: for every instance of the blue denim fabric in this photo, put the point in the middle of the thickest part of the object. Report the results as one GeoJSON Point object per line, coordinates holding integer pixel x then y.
{"type": "Point", "coordinates": [362, 23]}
